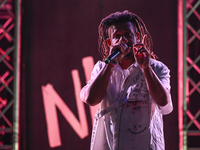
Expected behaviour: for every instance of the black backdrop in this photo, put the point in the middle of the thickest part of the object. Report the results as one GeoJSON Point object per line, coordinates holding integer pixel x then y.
{"type": "Point", "coordinates": [56, 35]}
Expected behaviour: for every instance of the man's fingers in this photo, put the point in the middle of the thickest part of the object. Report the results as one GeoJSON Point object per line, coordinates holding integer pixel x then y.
{"type": "Point", "coordinates": [144, 39]}
{"type": "Point", "coordinates": [134, 50]}
{"type": "Point", "coordinates": [138, 45]}
{"type": "Point", "coordinates": [127, 50]}
{"type": "Point", "coordinates": [139, 50]}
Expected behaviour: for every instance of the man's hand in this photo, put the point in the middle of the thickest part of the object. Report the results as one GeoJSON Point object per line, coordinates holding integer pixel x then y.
{"type": "Point", "coordinates": [123, 48]}
{"type": "Point", "coordinates": [141, 54]}
{"type": "Point", "coordinates": [157, 91]}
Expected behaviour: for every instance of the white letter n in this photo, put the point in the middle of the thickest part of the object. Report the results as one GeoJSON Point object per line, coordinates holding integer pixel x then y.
{"type": "Point", "coordinates": [52, 100]}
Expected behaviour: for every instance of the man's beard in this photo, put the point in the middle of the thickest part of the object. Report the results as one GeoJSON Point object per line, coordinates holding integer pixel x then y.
{"type": "Point", "coordinates": [130, 54]}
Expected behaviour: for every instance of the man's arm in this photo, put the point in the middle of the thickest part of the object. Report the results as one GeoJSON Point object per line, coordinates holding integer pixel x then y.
{"type": "Point", "coordinates": [157, 91]}
{"type": "Point", "coordinates": [95, 91]}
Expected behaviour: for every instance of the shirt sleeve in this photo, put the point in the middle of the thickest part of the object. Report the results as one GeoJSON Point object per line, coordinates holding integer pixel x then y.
{"type": "Point", "coordinates": [163, 74]}
{"type": "Point", "coordinates": [84, 91]}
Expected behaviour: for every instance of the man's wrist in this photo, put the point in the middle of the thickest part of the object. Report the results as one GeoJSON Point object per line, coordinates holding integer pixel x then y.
{"type": "Point", "coordinates": [147, 69]}
{"type": "Point", "coordinates": [112, 64]}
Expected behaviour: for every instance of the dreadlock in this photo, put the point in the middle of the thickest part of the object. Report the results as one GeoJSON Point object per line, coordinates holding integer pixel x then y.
{"type": "Point", "coordinates": [118, 17]}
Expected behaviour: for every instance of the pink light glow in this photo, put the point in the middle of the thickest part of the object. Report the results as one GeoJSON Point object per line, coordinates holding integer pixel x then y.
{"type": "Point", "coordinates": [180, 71]}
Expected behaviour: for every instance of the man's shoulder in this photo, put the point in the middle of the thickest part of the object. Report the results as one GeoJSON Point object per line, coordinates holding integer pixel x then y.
{"type": "Point", "coordinates": [99, 64]}
{"type": "Point", "coordinates": [158, 65]}
{"type": "Point", "coordinates": [154, 62]}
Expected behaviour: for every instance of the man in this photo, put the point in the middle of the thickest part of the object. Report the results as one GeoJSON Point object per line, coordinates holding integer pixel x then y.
{"type": "Point", "coordinates": [133, 90]}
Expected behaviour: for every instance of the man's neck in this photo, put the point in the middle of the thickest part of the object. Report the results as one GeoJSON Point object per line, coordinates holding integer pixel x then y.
{"type": "Point", "coordinates": [125, 63]}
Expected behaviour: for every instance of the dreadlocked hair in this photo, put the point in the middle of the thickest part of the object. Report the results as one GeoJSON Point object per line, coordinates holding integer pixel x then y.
{"type": "Point", "coordinates": [118, 17]}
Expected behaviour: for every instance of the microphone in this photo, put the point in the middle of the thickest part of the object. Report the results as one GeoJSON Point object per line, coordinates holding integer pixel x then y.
{"type": "Point", "coordinates": [113, 55]}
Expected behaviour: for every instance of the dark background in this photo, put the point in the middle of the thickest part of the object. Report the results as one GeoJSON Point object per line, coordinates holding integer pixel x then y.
{"type": "Point", "coordinates": [57, 34]}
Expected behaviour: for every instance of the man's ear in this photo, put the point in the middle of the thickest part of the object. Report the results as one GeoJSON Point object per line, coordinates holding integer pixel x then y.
{"type": "Point", "coordinates": [108, 41]}
{"type": "Point", "coordinates": [138, 37]}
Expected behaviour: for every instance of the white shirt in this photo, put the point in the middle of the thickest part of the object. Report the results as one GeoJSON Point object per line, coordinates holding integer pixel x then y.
{"type": "Point", "coordinates": [137, 124]}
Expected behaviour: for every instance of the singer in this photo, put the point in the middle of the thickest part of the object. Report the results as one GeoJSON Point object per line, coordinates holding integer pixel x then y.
{"type": "Point", "coordinates": [132, 88]}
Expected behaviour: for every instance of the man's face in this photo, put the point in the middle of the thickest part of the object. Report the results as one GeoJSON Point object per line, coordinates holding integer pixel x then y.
{"type": "Point", "coordinates": [122, 32]}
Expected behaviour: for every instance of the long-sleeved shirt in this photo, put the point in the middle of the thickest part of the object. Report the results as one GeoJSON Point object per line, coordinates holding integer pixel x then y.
{"type": "Point", "coordinates": [136, 124]}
